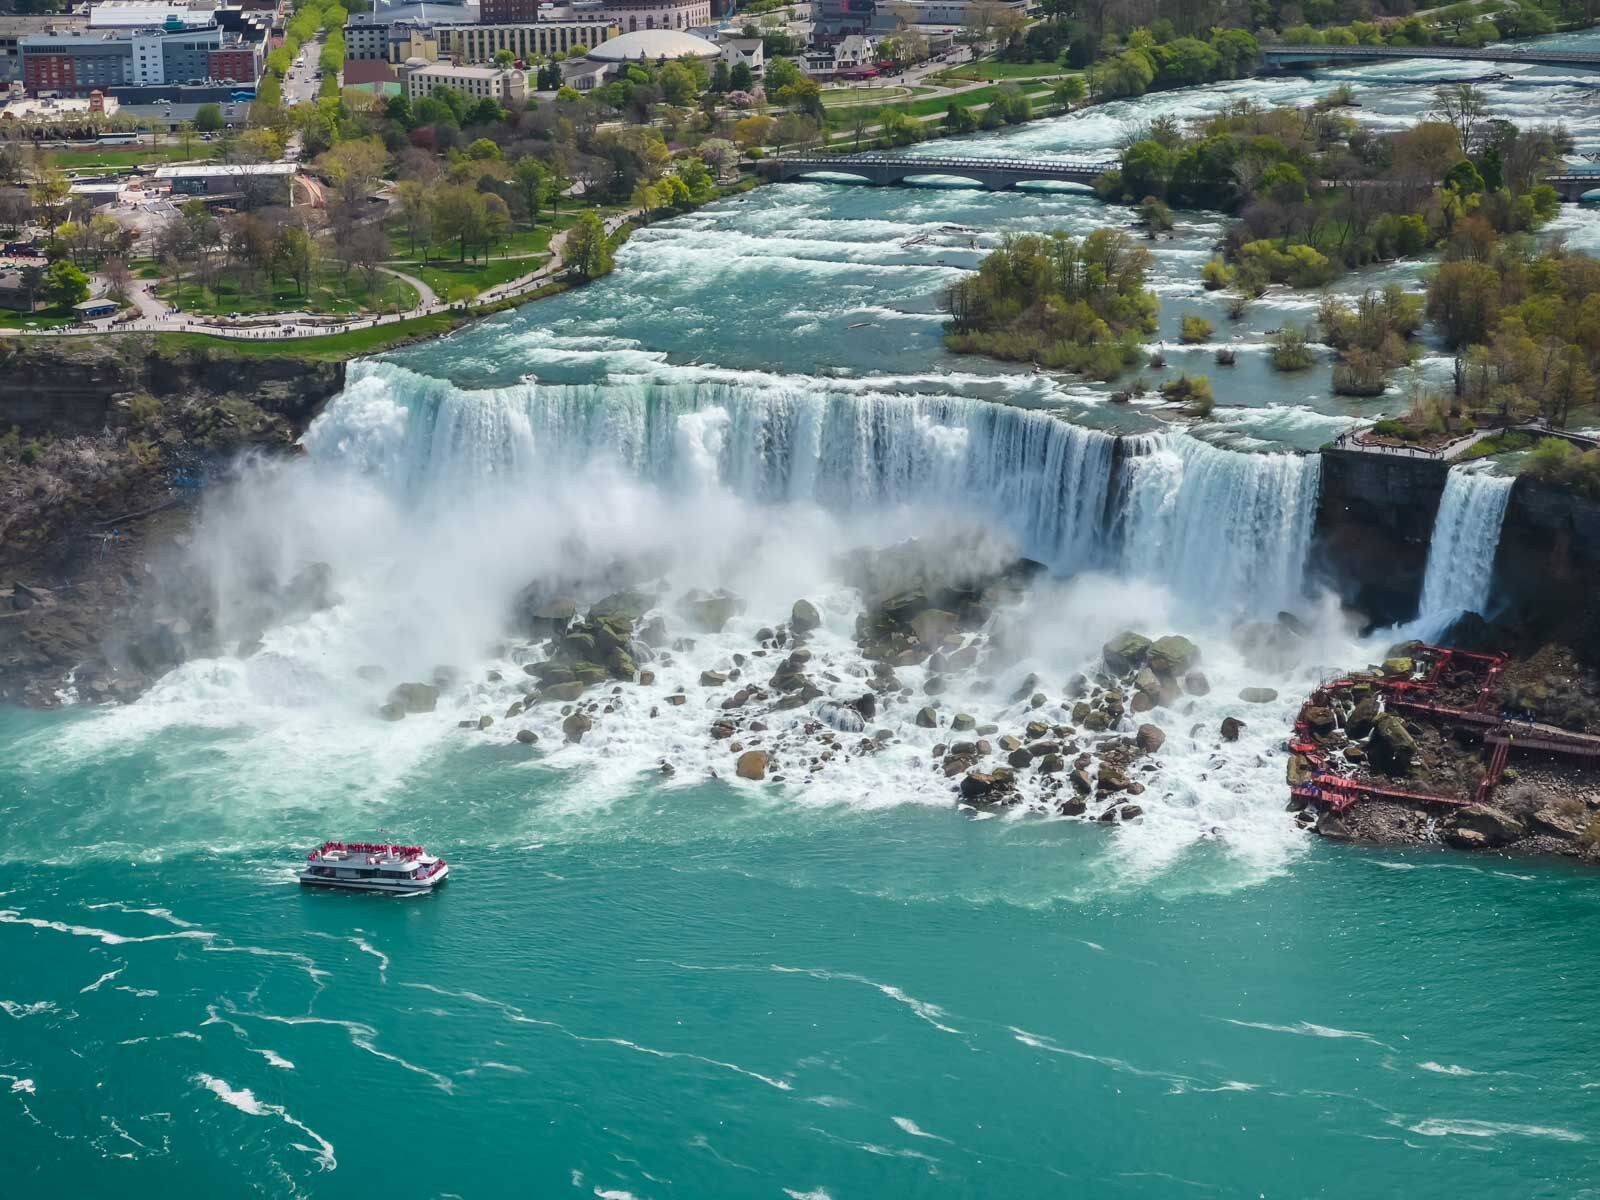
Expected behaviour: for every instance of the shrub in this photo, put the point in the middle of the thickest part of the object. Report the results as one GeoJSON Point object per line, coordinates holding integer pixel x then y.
{"type": "Point", "coordinates": [1216, 275]}
{"type": "Point", "coordinates": [1191, 393]}
{"type": "Point", "coordinates": [1195, 329]}
{"type": "Point", "coordinates": [1154, 215]}
{"type": "Point", "coordinates": [1290, 351]}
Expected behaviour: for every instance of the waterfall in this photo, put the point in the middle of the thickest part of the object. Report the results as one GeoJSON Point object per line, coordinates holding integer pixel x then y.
{"type": "Point", "coordinates": [1461, 553]}
{"type": "Point", "coordinates": [1220, 526]}
{"type": "Point", "coordinates": [1215, 526]}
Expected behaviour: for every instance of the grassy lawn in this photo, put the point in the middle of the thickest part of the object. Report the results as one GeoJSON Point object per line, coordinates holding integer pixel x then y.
{"type": "Point", "coordinates": [446, 277]}
{"type": "Point", "coordinates": [855, 97]}
{"type": "Point", "coordinates": [330, 295]}
{"type": "Point", "coordinates": [46, 318]}
{"type": "Point", "coordinates": [521, 252]}
{"type": "Point", "coordinates": [122, 157]}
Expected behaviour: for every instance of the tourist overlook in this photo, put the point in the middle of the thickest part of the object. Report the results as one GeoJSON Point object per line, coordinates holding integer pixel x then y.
{"type": "Point", "coordinates": [829, 599]}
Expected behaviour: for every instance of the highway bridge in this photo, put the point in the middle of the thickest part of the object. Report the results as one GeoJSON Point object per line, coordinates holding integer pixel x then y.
{"type": "Point", "coordinates": [995, 174]}
{"type": "Point", "coordinates": [1002, 174]}
{"type": "Point", "coordinates": [1286, 55]}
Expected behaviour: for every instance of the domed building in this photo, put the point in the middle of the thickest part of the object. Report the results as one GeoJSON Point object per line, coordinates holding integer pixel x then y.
{"type": "Point", "coordinates": [653, 46]}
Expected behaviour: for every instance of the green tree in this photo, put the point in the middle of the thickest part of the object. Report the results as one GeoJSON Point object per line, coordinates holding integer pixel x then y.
{"type": "Point", "coordinates": [588, 249]}
{"type": "Point", "coordinates": [529, 174]}
{"type": "Point", "coordinates": [459, 214]}
{"type": "Point", "coordinates": [65, 284]}
{"type": "Point", "coordinates": [208, 117]}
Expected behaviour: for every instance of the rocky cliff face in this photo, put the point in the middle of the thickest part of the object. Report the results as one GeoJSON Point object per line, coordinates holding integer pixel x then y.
{"type": "Point", "coordinates": [102, 446]}
{"type": "Point", "coordinates": [72, 386]}
{"type": "Point", "coordinates": [1374, 522]}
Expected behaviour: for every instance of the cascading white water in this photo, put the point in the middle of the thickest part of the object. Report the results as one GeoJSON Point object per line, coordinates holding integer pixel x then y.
{"type": "Point", "coordinates": [785, 440]}
{"type": "Point", "coordinates": [1213, 525]}
{"type": "Point", "coordinates": [1220, 527]}
{"type": "Point", "coordinates": [1466, 536]}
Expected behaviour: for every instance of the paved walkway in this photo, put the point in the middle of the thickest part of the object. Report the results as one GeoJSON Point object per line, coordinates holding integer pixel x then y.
{"type": "Point", "coordinates": [1450, 450]}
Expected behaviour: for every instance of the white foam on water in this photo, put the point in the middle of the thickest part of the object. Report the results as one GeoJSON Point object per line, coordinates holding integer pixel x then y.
{"type": "Point", "coordinates": [1447, 1069]}
{"type": "Point", "coordinates": [915, 1130]}
{"type": "Point", "coordinates": [19, 1011]}
{"type": "Point", "coordinates": [245, 1101]}
{"type": "Point", "coordinates": [1308, 1029]}
{"type": "Point", "coordinates": [1466, 1127]}
{"type": "Point", "coordinates": [106, 978]}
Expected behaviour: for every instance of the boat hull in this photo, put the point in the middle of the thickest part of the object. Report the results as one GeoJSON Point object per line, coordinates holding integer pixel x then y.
{"type": "Point", "coordinates": [390, 886]}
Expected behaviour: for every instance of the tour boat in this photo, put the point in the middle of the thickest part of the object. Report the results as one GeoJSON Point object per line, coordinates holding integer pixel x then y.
{"type": "Point", "coordinates": [373, 867]}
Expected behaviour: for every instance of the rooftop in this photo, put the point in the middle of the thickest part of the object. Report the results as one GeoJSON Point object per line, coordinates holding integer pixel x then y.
{"type": "Point", "coordinates": [456, 72]}
{"type": "Point", "coordinates": [237, 170]}
{"type": "Point", "coordinates": [653, 44]}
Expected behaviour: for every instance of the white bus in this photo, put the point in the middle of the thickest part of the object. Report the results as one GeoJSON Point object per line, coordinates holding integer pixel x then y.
{"type": "Point", "coordinates": [117, 139]}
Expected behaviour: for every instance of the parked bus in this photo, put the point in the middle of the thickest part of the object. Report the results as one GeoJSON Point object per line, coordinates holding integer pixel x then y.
{"type": "Point", "coordinates": [117, 139]}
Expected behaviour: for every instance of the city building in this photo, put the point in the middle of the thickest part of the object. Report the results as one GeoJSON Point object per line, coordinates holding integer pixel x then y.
{"type": "Point", "coordinates": [479, 43]}
{"type": "Point", "coordinates": [420, 78]}
{"type": "Point", "coordinates": [268, 182]}
{"type": "Point", "coordinates": [14, 28]}
{"type": "Point", "coordinates": [95, 310]}
{"type": "Point", "coordinates": [379, 78]}
{"type": "Point", "coordinates": [834, 19]}
{"type": "Point", "coordinates": [632, 15]}
{"type": "Point", "coordinates": [653, 46]}
{"type": "Point", "coordinates": [508, 12]}
{"type": "Point", "coordinates": [954, 14]}
{"type": "Point", "coordinates": [749, 51]}
{"type": "Point", "coordinates": [79, 61]}
{"type": "Point", "coordinates": [145, 14]}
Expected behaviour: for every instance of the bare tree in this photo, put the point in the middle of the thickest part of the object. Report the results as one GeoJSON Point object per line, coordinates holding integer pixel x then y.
{"type": "Point", "coordinates": [1461, 105]}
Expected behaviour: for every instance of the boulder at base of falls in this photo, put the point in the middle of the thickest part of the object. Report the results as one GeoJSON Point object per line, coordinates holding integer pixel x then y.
{"type": "Point", "coordinates": [1150, 738]}
{"type": "Point", "coordinates": [1126, 652]}
{"type": "Point", "coordinates": [1391, 748]}
{"type": "Point", "coordinates": [1258, 695]}
{"type": "Point", "coordinates": [575, 726]}
{"type": "Point", "coordinates": [987, 787]}
{"type": "Point", "coordinates": [1196, 684]}
{"type": "Point", "coordinates": [527, 737]}
{"type": "Point", "coordinates": [933, 625]}
{"type": "Point", "coordinates": [629, 605]}
{"type": "Point", "coordinates": [1481, 825]}
{"type": "Point", "coordinates": [752, 764]}
{"type": "Point", "coordinates": [1111, 779]}
{"type": "Point", "coordinates": [712, 679]}
{"type": "Point", "coordinates": [804, 617]}
{"type": "Point", "coordinates": [1362, 717]}
{"type": "Point", "coordinates": [1230, 728]}
{"type": "Point", "coordinates": [962, 723]}
{"type": "Point", "coordinates": [570, 690]}
{"type": "Point", "coordinates": [1321, 720]}
{"type": "Point", "coordinates": [392, 711]}
{"type": "Point", "coordinates": [1172, 655]}
{"type": "Point", "coordinates": [710, 611]}
{"type": "Point", "coordinates": [547, 618]}
{"type": "Point", "coordinates": [1398, 667]}
{"type": "Point", "coordinates": [653, 633]}
{"type": "Point", "coordinates": [927, 718]}
{"type": "Point", "coordinates": [415, 697]}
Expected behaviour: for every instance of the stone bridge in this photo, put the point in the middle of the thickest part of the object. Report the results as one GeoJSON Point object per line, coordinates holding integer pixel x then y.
{"type": "Point", "coordinates": [1574, 184]}
{"type": "Point", "coordinates": [1282, 55]}
{"type": "Point", "coordinates": [995, 174]}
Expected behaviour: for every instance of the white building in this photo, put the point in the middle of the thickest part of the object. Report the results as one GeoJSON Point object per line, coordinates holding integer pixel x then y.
{"type": "Point", "coordinates": [749, 51]}
{"type": "Point", "coordinates": [420, 78]}
{"type": "Point", "coordinates": [144, 14]}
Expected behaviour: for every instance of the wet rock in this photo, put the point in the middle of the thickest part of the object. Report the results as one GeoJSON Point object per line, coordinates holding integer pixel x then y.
{"type": "Point", "coordinates": [1072, 806]}
{"type": "Point", "coordinates": [842, 717]}
{"type": "Point", "coordinates": [1126, 652]}
{"type": "Point", "coordinates": [576, 725]}
{"type": "Point", "coordinates": [710, 611]}
{"type": "Point", "coordinates": [935, 685]}
{"type": "Point", "coordinates": [1321, 720]}
{"type": "Point", "coordinates": [1129, 811]}
{"type": "Point", "coordinates": [1172, 655]}
{"type": "Point", "coordinates": [1398, 667]}
{"type": "Point", "coordinates": [933, 625]}
{"type": "Point", "coordinates": [1110, 779]}
{"type": "Point", "coordinates": [1362, 717]}
{"type": "Point", "coordinates": [527, 737]}
{"type": "Point", "coordinates": [629, 604]}
{"type": "Point", "coordinates": [1495, 826]}
{"type": "Point", "coordinates": [392, 711]}
{"type": "Point", "coordinates": [961, 723]}
{"type": "Point", "coordinates": [803, 617]}
{"type": "Point", "coordinates": [1141, 703]}
{"type": "Point", "coordinates": [1080, 781]}
{"type": "Point", "coordinates": [1077, 687]}
{"type": "Point", "coordinates": [866, 705]}
{"type": "Point", "coordinates": [1097, 722]}
{"type": "Point", "coordinates": [646, 678]}
{"type": "Point", "coordinates": [712, 679]}
{"type": "Point", "coordinates": [1258, 695]}
{"type": "Point", "coordinates": [1150, 738]}
{"type": "Point", "coordinates": [484, 721]}
{"type": "Point", "coordinates": [752, 764]}
{"type": "Point", "coordinates": [677, 699]}
{"type": "Point", "coordinates": [414, 697]}
{"type": "Point", "coordinates": [1196, 684]}
{"type": "Point", "coordinates": [1020, 759]}
{"type": "Point", "coordinates": [1556, 822]}
{"type": "Point", "coordinates": [1010, 742]}
{"type": "Point", "coordinates": [1335, 828]}
{"type": "Point", "coordinates": [1038, 700]}
{"type": "Point", "coordinates": [927, 718]}
{"type": "Point", "coordinates": [515, 710]}
{"type": "Point", "coordinates": [1231, 726]}
{"type": "Point", "coordinates": [721, 730]}
{"type": "Point", "coordinates": [1052, 764]}
{"type": "Point", "coordinates": [1300, 770]}
{"type": "Point", "coordinates": [653, 633]}
{"type": "Point", "coordinates": [1037, 729]}
{"type": "Point", "coordinates": [980, 786]}
{"type": "Point", "coordinates": [1391, 748]}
